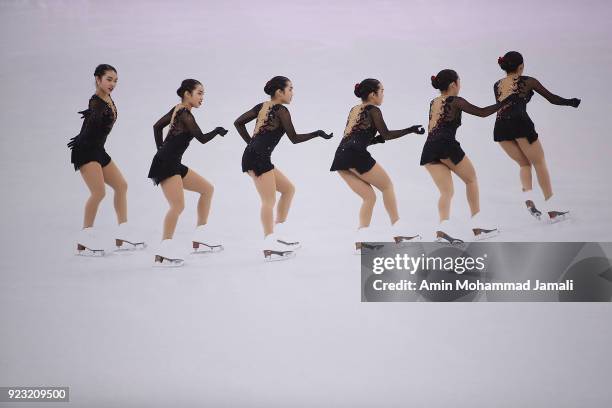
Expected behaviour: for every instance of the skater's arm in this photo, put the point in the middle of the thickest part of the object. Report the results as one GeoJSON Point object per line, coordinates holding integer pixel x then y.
{"type": "Point", "coordinates": [159, 126]}
{"type": "Point", "coordinates": [551, 97]}
{"type": "Point", "coordinates": [245, 118]}
{"type": "Point", "coordinates": [467, 107]}
{"type": "Point", "coordinates": [189, 123]}
{"type": "Point", "coordinates": [387, 134]}
{"type": "Point", "coordinates": [285, 118]}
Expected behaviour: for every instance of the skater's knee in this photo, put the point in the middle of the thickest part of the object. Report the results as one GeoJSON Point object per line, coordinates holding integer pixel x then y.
{"type": "Point", "coordinates": [447, 193]}
{"type": "Point", "coordinates": [209, 190]}
{"type": "Point", "coordinates": [289, 191]}
{"type": "Point", "coordinates": [369, 198]}
{"type": "Point", "coordinates": [98, 194]}
{"type": "Point", "coordinates": [121, 188]}
{"type": "Point", "coordinates": [177, 207]}
{"type": "Point", "coordinates": [268, 203]}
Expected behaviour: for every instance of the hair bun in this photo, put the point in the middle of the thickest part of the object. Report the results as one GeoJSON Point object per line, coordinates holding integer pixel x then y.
{"type": "Point", "coordinates": [434, 81]}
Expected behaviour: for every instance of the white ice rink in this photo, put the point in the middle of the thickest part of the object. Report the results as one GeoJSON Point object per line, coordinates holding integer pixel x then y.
{"type": "Point", "coordinates": [228, 329]}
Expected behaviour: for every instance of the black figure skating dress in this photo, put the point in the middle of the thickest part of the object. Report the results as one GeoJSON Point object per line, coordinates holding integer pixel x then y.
{"type": "Point", "coordinates": [444, 119]}
{"type": "Point", "coordinates": [273, 121]}
{"type": "Point", "coordinates": [183, 128]}
{"type": "Point", "coordinates": [512, 120]}
{"type": "Point", "coordinates": [363, 122]}
{"type": "Point", "coordinates": [88, 145]}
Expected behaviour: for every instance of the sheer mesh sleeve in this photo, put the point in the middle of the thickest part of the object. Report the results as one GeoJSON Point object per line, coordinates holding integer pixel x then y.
{"type": "Point", "coordinates": [245, 118]}
{"type": "Point", "coordinates": [159, 126]}
{"type": "Point", "coordinates": [467, 107]}
{"type": "Point", "coordinates": [95, 119]}
{"type": "Point", "coordinates": [550, 97]}
{"type": "Point", "coordinates": [287, 124]}
{"type": "Point", "coordinates": [188, 123]}
{"type": "Point", "coordinates": [381, 126]}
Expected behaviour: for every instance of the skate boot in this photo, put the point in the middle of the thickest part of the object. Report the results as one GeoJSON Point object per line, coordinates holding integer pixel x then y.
{"type": "Point", "coordinates": [166, 255]}
{"type": "Point", "coordinates": [531, 208]}
{"type": "Point", "coordinates": [555, 214]}
{"type": "Point", "coordinates": [479, 231]}
{"type": "Point", "coordinates": [275, 250]}
{"type": "Point", "coordinates": [202, 243]}
{"type": "Point", "coordinates": [281, 233]}
{"type": "Point", "coordinates": [400, 237]}
{"type": "Point", "coordinates": [88, 243]}
{"type": "Point", "coordinates": [125, 239]}
{"type": "Point", "coordinates": [443, 234]}
{"type": "Point", "coordinates": [363, 243]}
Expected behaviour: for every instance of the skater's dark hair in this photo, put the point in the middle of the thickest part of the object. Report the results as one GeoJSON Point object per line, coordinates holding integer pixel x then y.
{"type": "Point", "coordinates": [364, 88]}
{"type": "Point", "coordinates": [277, 83]}
{"type": "Point", "coordinates": [444, 78]}
{"type": "Point", "coordinates": [510, 61]}
{"type": "Point", "coordinates": [102, 69]}
{"type": "Point", "coordinates": [188, 85]}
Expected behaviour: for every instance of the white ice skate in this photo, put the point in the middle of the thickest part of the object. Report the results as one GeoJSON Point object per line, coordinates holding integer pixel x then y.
{"type": "Point", "coordinates": [363, 242]}
{"type": "Point", "coordinates": [398, 231]}
{"type": "Point", "coordinates": [125, 240]}
{"type": "Point", "coordinates": [481, 233]}
{"type": "Point", "coordinates": [443, 234]}
{"type": "Point", "coordinates": [88, 243]}
{"type": "Point", "coordinates": [167, 255]}
{"type": "Point", "coordinates": [281, 235]}
{"type": "Point", "coordinates": [275, 250]}
{"type": "Point", "coordinates": [202, 243]}
{"type": "Point", "coordinates": [533, 211]}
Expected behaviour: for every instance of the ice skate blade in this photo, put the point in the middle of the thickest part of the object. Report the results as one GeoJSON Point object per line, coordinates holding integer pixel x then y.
{"type": "Point", "coordinates": [82, 250]}
{"type": "Point", "coordinates": [291, 246]}
{"type": "Point", "coordinates": [407, 240]}
{"type": "Point", "coordinates": [554, 219]}
{"type": "Point", "coordinates": [163, 262]}
{"type": "Point", "coordinates": [202, 248]}
{"type": "Point", "coordinates": [272, 256]}
{"type": "Point", "coordinates": [485, 234]}
{"type": "Point", "coordinates": [443, 238]}
{"type": "Point", "coordinates": [121, 245]}
{"type": "Point", "coordinates": [363, 248]}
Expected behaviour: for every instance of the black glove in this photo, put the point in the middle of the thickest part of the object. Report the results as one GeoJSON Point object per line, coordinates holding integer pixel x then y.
{"type": "Point", "coordinates": [220, 131]}
{"type": "Point", "coordinates": [574, 102]}
{"type": "Point", "coordinates": [324, 135]}
{"type": "Point", "coordinates": [73, 142]}
{"type": "Point", "coordinates": [418, 129]}
{"type": "Point", "coordinates": [377, 139]}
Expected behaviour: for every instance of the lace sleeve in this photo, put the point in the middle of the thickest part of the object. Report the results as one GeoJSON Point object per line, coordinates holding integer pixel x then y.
{"type": "Point", "coordinates": [550, 97]}
{"type": "Point", "coordinates": [381, 126]}
{"type": "Point", "coordinates": [188, 122]}
{"type": "Point", "coordinates": [159, 126]}
{"type": "Point", "coordinates": [467, 107]}
{"type": "Point", "coordinates": [245, 118]}
{"type": "Point", "coordinates": [285, 119]}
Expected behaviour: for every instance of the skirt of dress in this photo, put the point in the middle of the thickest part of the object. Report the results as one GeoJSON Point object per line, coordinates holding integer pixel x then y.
{"type": "Point", "coordinates": [81, 155]}
{"type": "Point", "coordinates": [161, 169]}
{"type": "Point", "coordinates": [434, 150]}
{"type": "Point", "coordinates": [347, 158]}
{"type": "Point", "coordinates": [514, 128]}
{"type": "Point", "coordinates": [257, 161]}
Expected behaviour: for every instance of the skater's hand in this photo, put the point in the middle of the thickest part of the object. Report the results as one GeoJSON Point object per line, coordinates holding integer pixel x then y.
{"type": "Point", "coordinates": [324, 135]}
{"type": "Point", "coordinates": [574, 102]}
{"type": "Point", "coordinates": [418, 129]}
{"type": "Point", "coordinates": [220, 131]}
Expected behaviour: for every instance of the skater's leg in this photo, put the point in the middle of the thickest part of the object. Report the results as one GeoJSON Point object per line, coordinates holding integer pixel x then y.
{"type": "Point", "coordinates": [378, 177]}
{"type": "Point", "coordinates": [94, 179]}
{"type": "Point", "coordinates": [443, 179]}
{"type": "Point", "coordinates": [114, 178]}
{"type": "Point", "coordinates": [363, 190]}
{"type": "Point", "coordinates": [466, 172]}
{"type": "Point", "coordinates": [198, 184]}
{"type": "Point", "coordinates": [266, 187]}
{"type": "Point", "coordinates": [287, 190]}
{"type": "Point", "coordinates": [535, 154]}
{"type": "Point", "coordinates": [513, 150]}
{"type": "Point", "coordinates": [173, 190]}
